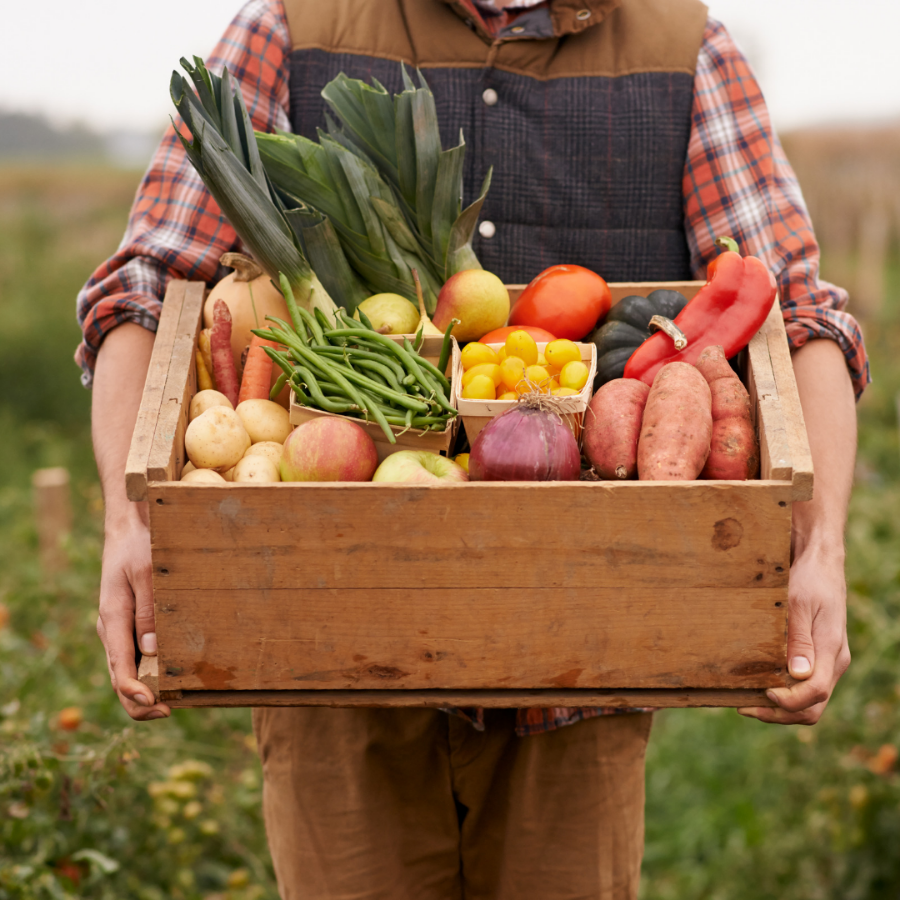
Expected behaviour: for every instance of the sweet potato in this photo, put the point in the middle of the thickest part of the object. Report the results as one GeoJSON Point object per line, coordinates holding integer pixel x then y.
{"type": "Point", "coordinates": [734, 452]}
{"type": "Point", "coordinates": [612, 426]}
{"type": "Point", "coordinates": [677, 428]}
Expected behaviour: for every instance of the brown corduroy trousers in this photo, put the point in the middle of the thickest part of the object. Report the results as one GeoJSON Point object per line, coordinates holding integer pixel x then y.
{"type": "Point", "coordinates": [414, 804]}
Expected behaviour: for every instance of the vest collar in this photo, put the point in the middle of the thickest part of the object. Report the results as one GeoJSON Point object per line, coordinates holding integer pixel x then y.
{"type": "Point", "coordinates": [563, 17]}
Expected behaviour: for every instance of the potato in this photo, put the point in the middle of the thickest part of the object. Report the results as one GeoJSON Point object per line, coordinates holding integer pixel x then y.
{"type": "Point", "coordinates": [204, 400]}
{"type": "Point", "coordinates": [216, 439]}
{"type": "Point", "coordinates": [256, 468]}
{"type": "Point", "coordinates": [612, 426]}
{"type": "Point", "coordinates": [265, 420]}
{"type": "Point", "coordinates": [677, 428]}
{"type": "Point", "coordinates": [228, 474]}
{"type": "Point", "coordinates": [734, 453]}
{"type": "Point", "coordinates": [188, 467]}
{"type": "Point", "coordinates": [270, 449]}
{"type": "Point", "coordinates": [202, 476]}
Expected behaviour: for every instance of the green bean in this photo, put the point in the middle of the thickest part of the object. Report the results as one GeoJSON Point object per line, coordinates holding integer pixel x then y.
{"type": "Point", "coordinates": [312, 324]}
{"type": "Point", "coordinates": [420, 336]}
{"type": "Point", "coordinates": [438, 391]}
{"type": "Point", "coordinates": [323, 402]}
{"type": "Point", "coordinates": [365, 319]}
{"type": "Point", "coordinates": [435, 372]}
{"type": "Point", "coordinates": [305, 356]}
{"type": "Point", "coordinates": [279, 384]}
{"type": "Point", "coordinates": [445, 348]}
{"type": "Point", "coordinates": [322, 319]}
{"type": "Point", "coordinates": [353, 352]}
{"type": "Point", "coordinates": [281, 359]}
{"type": "Point", "coordinates": [389, 377]}
{"type": "Point", "coordinates": [291, 302]}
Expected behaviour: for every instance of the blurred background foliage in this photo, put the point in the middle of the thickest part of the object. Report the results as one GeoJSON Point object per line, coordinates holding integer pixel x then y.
{"type": "Point", "coordinates": [92, 805]}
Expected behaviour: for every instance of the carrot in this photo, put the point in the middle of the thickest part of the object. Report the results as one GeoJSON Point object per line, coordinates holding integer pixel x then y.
{"type": "Point", "coordinates": [220, 348]}
{"type": "Point", "coordinates": [204, 382]}
{"type": "Point", "coordinates": [734, 451]}
{"type": "Point", "coordinates": [612, 426]}
{"type": "Point", "coordinates": [203, 344]}
{"type": "Point", "coordinates": [257, 379]}
{"type": "Point", "coordinates": [677, 426]}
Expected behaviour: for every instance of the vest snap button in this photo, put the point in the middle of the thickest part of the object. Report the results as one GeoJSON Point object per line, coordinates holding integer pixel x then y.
{"type": "Point", "coordinates": [490, 97]}
{"type": "Point", "coordinates": [517, 29]}
{"type": "Point", "coordinates": [487, 229]}
{"type": "Point", "coordinates": [583, 14]}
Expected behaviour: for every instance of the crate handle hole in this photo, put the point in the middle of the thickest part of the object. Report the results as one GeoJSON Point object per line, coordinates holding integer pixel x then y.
{"type": "Point", "coordinates": [163, 571]}
{"type": "Point", "coordinates": [159, 501]}
{"type": "Point", "coordinates": [778, 603]}
{"type": "Point", "coordinates": [781, 503]}
{"type": "Point", "coordinates": [779, 568]}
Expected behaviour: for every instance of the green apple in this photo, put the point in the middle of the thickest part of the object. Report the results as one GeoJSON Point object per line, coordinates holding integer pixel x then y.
{"type": "Point", "coordinates": [390, 311]}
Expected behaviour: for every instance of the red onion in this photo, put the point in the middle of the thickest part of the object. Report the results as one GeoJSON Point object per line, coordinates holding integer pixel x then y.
{"type": "Point", "coordinates": [530, 442]}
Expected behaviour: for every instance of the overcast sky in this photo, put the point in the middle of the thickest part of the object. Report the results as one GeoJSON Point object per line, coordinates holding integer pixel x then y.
{"type": "Point", "coordinates": [107, 62]}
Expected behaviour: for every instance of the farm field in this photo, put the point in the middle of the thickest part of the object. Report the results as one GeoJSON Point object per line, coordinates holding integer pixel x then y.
{"type": "Point", "coordinates": [736, 810]}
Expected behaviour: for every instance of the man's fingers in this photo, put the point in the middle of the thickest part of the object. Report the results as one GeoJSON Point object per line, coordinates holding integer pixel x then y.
{"type": "Point", "coordinates": [778, 716]}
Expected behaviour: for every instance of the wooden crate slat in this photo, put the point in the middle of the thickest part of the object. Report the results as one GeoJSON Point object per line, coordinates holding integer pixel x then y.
{"type": "Point", "coordinates": [498, 699]}
{"type": "Point", "coordinates": [167, 451]}
{"type": "Point", "coordinates": [154, 387]}
{"type": "Point", "coordinates": [727, 535]}
{"type": "Point", "coordinates": [471, 638]}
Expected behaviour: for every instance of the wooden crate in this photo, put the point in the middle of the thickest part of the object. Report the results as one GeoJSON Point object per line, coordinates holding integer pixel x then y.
{"type": "Point", "coordinates": [666, 594]}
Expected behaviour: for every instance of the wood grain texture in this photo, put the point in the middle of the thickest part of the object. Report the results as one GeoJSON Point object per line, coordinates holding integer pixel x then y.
{"type": "Point", "coordinates": [336, 536]}
{"type": "Point", "coordinates": [487, 699]}
{"type": "Point", "coordinates": [167, 451]}
{"type": "Point", "coordinates": [789, 398]}
{"type": "Point", "coordinates": [775, 454]}
{"type": "Point", "coordinates": [154, 387]}
{"type": "Point", "coordinates": [470, 638]}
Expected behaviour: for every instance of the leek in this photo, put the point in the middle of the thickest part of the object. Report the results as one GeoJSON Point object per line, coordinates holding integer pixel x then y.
{"type": "Point", "coordinates": [225, 154]}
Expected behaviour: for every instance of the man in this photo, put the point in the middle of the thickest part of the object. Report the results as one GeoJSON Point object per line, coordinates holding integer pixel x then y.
{"type": "Point", "coordinates": [625, 136]}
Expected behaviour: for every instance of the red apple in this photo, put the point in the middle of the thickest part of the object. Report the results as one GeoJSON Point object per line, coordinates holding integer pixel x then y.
{"type": "Point", "coordinates": [420, 467]}
{"type": "Point", "coordinates": [328, 449]}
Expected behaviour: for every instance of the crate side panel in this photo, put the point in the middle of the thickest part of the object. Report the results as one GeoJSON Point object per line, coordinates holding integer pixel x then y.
{"type": "Point", "coordinates": [154, 388]}
{"type": "Point", "coordinates": [576, 535]}
{"type": "Point", "coordinates": [471, 638]}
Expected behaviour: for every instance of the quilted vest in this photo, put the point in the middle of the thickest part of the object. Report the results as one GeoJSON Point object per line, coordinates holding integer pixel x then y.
{"type": "Point", "coordinates": [583, 108]}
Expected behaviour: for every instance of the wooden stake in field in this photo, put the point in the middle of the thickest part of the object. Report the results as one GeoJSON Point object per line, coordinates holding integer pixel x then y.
{"type": "Point", "coordinates": [53, 515]}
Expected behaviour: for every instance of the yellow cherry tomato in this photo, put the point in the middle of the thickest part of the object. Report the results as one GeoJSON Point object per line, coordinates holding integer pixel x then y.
{"type": "Point", "coordinates": [521, 344]}
{"type": "Point", "coordinates": [512, 370]}
{"type": "Point", "coordinates": [560, 352]}
{"type": "Point", "coordinates": [462, 459]}
{"type": "Point", "coordinates": [481, 387]}
{"type": "Point", "coordinates": [574, 375]}
{"type": "Point", "coordinates": [508, 395]}
{"type": "Point", "coordinates": [539, 378]}
{"type": "Point", "coordinates": [564, 392]}
{"type": "Point", "coordinates": [490, 369]}
{"type": "Point", "coordinates": [542, 360]}
{"type": "Point", "coordinates": [554, 385]}
{"type": "Point", "coordinates": [553, 370]}
{"type": "Point", "coordinates": [501, 354]}
{"type": "Point", "coordinates": [475, 354]}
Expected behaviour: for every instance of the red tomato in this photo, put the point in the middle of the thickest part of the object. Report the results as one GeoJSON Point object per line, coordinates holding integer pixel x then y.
{"type": "Point", "coordinates": [567, 300]}
{"type": "Point", "coordinates": [499, 335]}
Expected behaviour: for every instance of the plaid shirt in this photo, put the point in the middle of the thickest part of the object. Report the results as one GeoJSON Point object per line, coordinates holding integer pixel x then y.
{"type": "Point", "coordinates": [736, 181]}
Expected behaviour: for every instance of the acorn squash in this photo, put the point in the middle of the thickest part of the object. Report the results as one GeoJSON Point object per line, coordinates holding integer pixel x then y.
{"type": "Point", "coordinates": [627, 326]}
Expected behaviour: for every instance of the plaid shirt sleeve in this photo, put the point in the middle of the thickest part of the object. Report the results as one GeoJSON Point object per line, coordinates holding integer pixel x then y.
{"type": "Point", "coordinates": [175, 229]}
{"type": "Point", "coordinates": [738, 182]}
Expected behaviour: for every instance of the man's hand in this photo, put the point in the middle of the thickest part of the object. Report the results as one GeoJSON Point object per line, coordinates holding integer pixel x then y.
{"type": "Point", "coordinates": [126, 594]}
{"type": "Point", "coordinates": [126, 606]}
{"type": "Point", "coordinates": [818, 654]}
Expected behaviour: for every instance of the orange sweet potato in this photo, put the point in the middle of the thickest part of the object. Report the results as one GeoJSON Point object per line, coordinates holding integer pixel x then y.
{"type": "Point", "coordinates": [734, 451]}
{"type": "Point", "coordinates": [612, 425]}
{"type": "Point", "coordinates": [677, 427]}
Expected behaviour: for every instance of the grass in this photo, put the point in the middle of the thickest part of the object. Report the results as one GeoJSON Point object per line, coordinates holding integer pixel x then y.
{"type": "Point", "coordinates": [735, 809]}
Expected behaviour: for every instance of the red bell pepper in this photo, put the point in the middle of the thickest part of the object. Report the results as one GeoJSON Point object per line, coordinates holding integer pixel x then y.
{"type": "Point", "coordinates": [728, 310]}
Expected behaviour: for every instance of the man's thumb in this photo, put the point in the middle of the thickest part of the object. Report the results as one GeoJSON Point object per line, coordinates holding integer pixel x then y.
{"type": "Point", "coordinates": [800, 651]}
